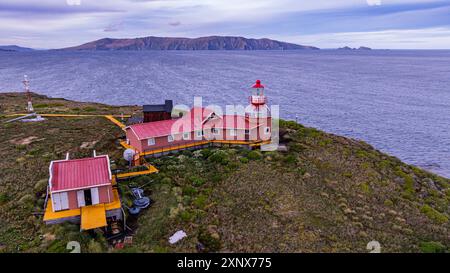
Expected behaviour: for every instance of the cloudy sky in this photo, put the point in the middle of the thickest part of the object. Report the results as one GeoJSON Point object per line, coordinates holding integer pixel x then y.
{"type": "Point", "coordinates": [395, 24]}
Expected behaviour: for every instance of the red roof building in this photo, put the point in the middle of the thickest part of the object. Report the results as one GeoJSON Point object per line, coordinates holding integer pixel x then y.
{"type": "Point", "coordinates": [80, 182]}
{"type": "Point", "coordinates": [204, 124]}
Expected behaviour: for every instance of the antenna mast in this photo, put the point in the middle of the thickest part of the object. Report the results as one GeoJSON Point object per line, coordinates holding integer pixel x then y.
{"type": "Point", "coordinates": [26, 83]}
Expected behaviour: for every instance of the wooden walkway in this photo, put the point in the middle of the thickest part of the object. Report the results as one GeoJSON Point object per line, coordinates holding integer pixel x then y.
{"type": "Point", "coordinates": [111, 118]}
{"type": "Point", "coordinates": [150, 169]}
{"type": "Point", "coordinates": [194, 144]}
{"type": "Point", "coordinates": [116, 122]}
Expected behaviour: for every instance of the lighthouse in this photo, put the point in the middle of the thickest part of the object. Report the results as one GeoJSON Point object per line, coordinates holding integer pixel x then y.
{"type": "Point", "coordinates": [258, 102]}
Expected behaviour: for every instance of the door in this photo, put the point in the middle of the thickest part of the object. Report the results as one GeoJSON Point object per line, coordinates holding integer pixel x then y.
{"type": "Point", "coordinates": [87, 197]}
{"type": "Point", "coordinates": [80, 199]}
{"type": "Point", "coordinates": [64, 200]}
{"type": "Point", "coordinates": [95, 197]}
{"type": "Point", "coordinates": [60, 201]}
{"type": "Point", "coordinates": [56, 202]}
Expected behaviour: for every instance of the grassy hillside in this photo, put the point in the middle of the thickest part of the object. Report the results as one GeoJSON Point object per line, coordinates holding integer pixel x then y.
{"type": "Point", "coordinates": [326, 194]}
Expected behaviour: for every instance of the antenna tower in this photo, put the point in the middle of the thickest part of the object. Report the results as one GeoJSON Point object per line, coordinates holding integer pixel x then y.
{"type": "Point", "coordinates": [26, 83]}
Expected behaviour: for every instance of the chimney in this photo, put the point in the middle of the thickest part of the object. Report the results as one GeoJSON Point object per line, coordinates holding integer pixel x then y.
{"type": "Point", "coordinates": [168, 105]}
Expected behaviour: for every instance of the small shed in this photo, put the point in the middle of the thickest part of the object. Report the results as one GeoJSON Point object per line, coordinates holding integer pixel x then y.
{"type": "Point", "coordinates": [81, 191]}
{"type": "Point", "coordinates": [80, 182]}
{"type": "Point", "coordinates": [157, 112]}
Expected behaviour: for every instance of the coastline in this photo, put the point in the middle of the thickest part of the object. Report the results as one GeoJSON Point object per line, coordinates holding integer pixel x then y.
{"type": "Point", "coordinates": [322, 180]}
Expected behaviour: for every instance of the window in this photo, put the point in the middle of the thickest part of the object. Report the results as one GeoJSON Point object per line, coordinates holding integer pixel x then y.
{"type": "Point", "coordinates": [215, 131]}
{"type": "Point", "coordinates": [267, 130]}
{"type": "Point", "coordinates": [232, 132]}
{"type": "Point", "coordinates": [151, 141]}
{"type": "Point", "coordinates": [199, 134]}
{"type": "Point", "coordinates": [186, 136]}
{"type": "Point", "coordinates": [170, 138]}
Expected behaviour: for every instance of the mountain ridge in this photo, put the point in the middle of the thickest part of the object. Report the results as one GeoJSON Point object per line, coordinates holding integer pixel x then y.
{"type": "Point", "coordinates": [14, 48]}
{"type": "Point", "coordinates": [180, 43]}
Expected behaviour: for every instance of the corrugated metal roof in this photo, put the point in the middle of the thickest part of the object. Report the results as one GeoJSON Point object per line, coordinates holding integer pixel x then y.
{"type": "Point", "coordinates": [80, 173]}
{"type": "Point", "coordinates": [153, 129]}
{"type": "Point", "coordinates": [164, 127]}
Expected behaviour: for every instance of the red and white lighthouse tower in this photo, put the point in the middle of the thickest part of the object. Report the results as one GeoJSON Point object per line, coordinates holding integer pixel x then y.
{"type": "Point", "coordinates": [258, 102]}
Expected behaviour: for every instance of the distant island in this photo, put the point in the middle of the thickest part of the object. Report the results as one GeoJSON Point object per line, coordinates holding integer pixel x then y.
{"type": "Point", "coordinates": [202, 43]}
{"type": "Point", "coordinates": [15, 48]}
{"type": "Point", "coordinates": [349, 48]}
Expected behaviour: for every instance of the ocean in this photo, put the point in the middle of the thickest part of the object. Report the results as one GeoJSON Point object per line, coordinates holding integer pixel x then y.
{"type": "Point", "coordinates": [396, 100]}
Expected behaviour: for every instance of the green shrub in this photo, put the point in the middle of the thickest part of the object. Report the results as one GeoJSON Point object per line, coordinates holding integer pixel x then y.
{"type": "Point", "coordinates": [388, 203]}
{"type": "Point", "coordinates": [254, 155]}
{"type": "Point", "coordinates": [290, 159]}
{"type": "Point", "coordinates": [234, 165]}
{"type": "Point", "coordinates": [186, 153]}
{"type": "Point", "coordinates": [219, 157]}
{"type": "Point", "coordinates": [434, 215]}
{"type": "Point", "coordinates": [365, 188]}
{"type": "Point", "coordinates": [27, 199]}
{"type": "Point", "coordinates": [200, 201]}
{"type": "Point", "coordinates": [301, 171]}
{"type": "Point", "coordinates": [3, 198]}
{"type": "Point", "coordinates": [408, 187]}
{"type": "Point", "coordinates": [347, 174]}
{"type": "Point", "coordinates": [211, 242]}
{"type": "Point", "coordinates": [206, 152]}
{"type": "Point", "coordinates": [186, 216]}
{"type": "Point", "coordinates": [189, 190]}
{"type": "Point", "coordinates": [432, 247]}
{"type": "Point", "coordinates": [21, 147]}
{"type": "Point", "coordinates": [57, 246]}
{"type": "Point", "coordinates": [94, 247]}
{"type": "Point", "coordinates": [296, 147]}
{"type": "Point", "coordinates": [243, 160]}
{"type": "Point", "coordinates": [40, 105]}
{"type": "Point", "coordinates": [290, 124]}
{"type": "Point", "coordinates": [41, 186]}
{"type": "Point", "coordinates": [89, 109]}
{"type": "Point", "coordinates": [166, 180]}
{"type": "Point", "coordinates": [196, 180]}
{"type": "Point", "coordinates": [216, 177]}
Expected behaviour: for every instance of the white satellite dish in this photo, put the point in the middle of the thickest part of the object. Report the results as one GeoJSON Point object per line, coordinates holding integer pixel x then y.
{"type": "Point", "coordinates": [128, 155]}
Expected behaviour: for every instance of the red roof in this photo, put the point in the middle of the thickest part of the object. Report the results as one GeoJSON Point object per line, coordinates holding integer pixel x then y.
{"type": "Point", "coordinates": [188, 123]}
{"type": "Point", "coordinates": [79, 173]}
{"type": "Point", "coordinates": [258, 84]}
{"type": "Point", "coordinates": [153, 129]}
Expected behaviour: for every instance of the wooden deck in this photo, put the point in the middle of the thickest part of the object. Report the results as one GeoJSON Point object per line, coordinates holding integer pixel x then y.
{"type": "Point", "coordinates": [93, 217]}
{"type": "Point", "coordinates": [61, 216]}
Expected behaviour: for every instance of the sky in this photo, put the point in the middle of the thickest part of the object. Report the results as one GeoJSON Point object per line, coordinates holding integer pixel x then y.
{"type": "Point", "coordinates": [382, 24]}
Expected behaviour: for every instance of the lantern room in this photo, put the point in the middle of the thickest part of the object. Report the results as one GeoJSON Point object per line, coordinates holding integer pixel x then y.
{"type": "Point", "coordinates": [258, 97]}
{"type": "Point", "coordinates": [257, 107]}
